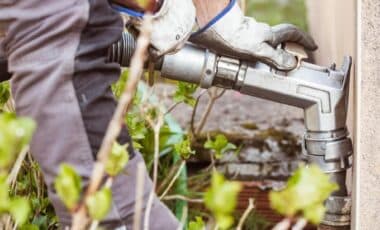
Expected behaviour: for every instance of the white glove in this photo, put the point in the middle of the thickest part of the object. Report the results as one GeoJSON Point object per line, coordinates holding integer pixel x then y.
{"type": "Point", "coordinates": [231, 33]}
{"type": "Point", "coordinates": [172, 25]}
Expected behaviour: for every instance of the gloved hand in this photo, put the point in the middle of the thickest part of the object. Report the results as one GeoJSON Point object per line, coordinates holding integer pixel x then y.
{"type": "Point", "coordinates": [172, 25]}
{"type": "Point", "coordinates": [231, 33]}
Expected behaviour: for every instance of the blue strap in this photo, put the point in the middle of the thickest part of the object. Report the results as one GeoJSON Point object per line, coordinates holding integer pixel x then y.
{"type": "Point", "coordinates": [125, 10]}
{"type": "Point", "coordinates": [216, 19]}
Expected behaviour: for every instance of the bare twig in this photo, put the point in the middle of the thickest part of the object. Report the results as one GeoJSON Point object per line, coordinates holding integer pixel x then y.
{"type": "Point", "coordinates": [172, 107]}
{"type": "Point", "coordinates": [173, 180]}
{"type": "Point", "coordinates": [192, 129]}
{"type": "Point", "coordinates": [249, 209]}
{"type": "Point", "coordinates": [170, 175]}
{"type": "Point", "coordinates": [140, 180]}
{"type": "Point", "coordinates": [301, 224]}
{"type": "Point", "coordinates": [156, 125]}
{"type": "Point", "coordinates": [183, 218]}
{"type": "Point", "coordinates": [184, 198]}
{"type": "Point", "coordinates": [283, 225]}
{"type": "Point", "coordinates": [114, 127]}
{"type": "Point", "coordinates": [214, 94]}
{"type": "Point", "coordinates": [17, 165]}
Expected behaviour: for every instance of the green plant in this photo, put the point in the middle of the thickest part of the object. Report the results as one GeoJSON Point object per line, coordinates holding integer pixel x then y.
{"type": "Point", "coordinates": [220, 145]}
{"type": "Point", "coordinates": [221, 198]}
{"type": "Point", "coordinates": [304, 194]}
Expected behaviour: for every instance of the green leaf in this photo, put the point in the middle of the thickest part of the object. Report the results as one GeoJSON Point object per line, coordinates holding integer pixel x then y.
{"type": "Point", "coordinates": [68, 186]}
{"type": "Point", "coordinates": [5, 93]}
{"type": "Point", "coordinates": [15, 134]}
{"type": "Point", "coordinates": [305, 193]}
{"type": "Point", "coordinates": [19, 208]}
{"type": "Point", "coordinates": [220, 145]}
{"type": "Point", "coordinates": [185, 93]}
{"type": "Point", "coordinates": [221, 199]}
{"type": "Point", "coordinates": [99, 204]}
{"type": "Point", "coordinates": [183, 149]}
{"type": "Point", "coordinates": [4, 193]}
{"type": "Point", "coordinates": [29, 227]}
{"type": "Point", "coordinates": [117, 160]}
{"type": "Point", "coordinates": [198, 224]}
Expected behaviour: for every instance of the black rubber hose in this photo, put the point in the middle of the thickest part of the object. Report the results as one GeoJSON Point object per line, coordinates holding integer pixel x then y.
{"type": "Point", "coordinates": [122, 51]}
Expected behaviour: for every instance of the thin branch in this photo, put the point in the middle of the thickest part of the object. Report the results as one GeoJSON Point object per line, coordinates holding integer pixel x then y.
{"type": "Point", "coordinates": [172, 107]}
{"type": "Point", "coordinates": [184, 198]}
{"type": "Point", "coordinates": [173, 180]}
{"type": "Point", "coordinates": [301, 224]}
{"type": "Point", "coordinates": [156, 129]}
{"type": "Point", "coordinates": [170, 175]}
{"type": "Point", "coordinates": [17, 165]}
{"type": "Point", "coordinates": [140, 180]}
{"type": "Point", "coordinates": [192, 129]}
{"type": "Point", "coordinates": [183, 218]}
{"type": "Point", "coordinates": [249, 209]}
{"type": "Point", "coordinates": [114, 127]}
{"type": "Point", "coordinates": [213, 96]}
{"type": "Point", "coordinates": [283, 225]}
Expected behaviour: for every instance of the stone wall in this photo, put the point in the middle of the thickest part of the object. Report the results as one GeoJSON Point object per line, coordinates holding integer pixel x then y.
{"type": "Point", "coordinates": [368, 148]}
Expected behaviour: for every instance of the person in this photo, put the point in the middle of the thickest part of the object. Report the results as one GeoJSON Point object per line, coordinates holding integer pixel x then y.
{"type": "Point", "coordinates": [57, 54]}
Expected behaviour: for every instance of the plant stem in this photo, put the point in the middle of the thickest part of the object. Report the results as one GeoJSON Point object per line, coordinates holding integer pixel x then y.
{"type": "Point", "coordinates": [213, 96]}
{"type": "Point", "coordinates": [140, 180]}
{"type": "Point", "coordinates": [283, 225]}
{"type": "Point", "coordinates": [156, 129]}
{"type": "Point", "coordinates": [17, 165]}
{"type": "Point", "coordinates": [249, 209]}
{"type": "Point", "coordinates": [114, 127]}
{"type": "Point", "coordinates": [301, 224]}
{"type": "Point", "coordinates": [94, 225]}
{"type": "Point", "coordinates": [180, 197]}
{"type": "Point", "coordinates": [173, 180]}
{"type": "Point", "coordinates": [172, 107]}
{"type": "Point", "coordinates": [170, 175]}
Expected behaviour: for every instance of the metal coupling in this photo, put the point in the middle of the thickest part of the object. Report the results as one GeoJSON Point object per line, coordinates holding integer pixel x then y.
{"type": "Point", "coordinates": [338, 211]}
{"type": "Point", "coordinates": [332, 151]}
{"type": "Point", "coordinates": [226, 72]}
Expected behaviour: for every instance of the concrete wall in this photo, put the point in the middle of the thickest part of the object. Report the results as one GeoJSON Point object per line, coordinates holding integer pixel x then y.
{"type": "Point", "coordinates": [368, 146]}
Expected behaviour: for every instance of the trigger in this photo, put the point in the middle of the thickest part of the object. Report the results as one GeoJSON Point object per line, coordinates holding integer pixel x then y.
{"type": "Point", "coordinates": [296, 50]}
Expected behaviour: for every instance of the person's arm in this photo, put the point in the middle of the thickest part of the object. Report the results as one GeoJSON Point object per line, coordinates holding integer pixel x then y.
{"type": "Point", "coordinates": [141, 6]}
{"type": "Point", "coordinates": [208, 9]}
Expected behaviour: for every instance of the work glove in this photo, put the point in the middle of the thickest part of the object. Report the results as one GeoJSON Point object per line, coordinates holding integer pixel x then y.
{"type": "Point", "coordinates": [231, 33]}
{"type": "Point", "coordinates": [172, 25]}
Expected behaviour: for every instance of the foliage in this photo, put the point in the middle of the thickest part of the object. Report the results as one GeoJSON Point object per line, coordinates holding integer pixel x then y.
{"type": "Point", "coordinates": [185, 93]}
{"type": "Point", "coordinates": [304, 194]}
{"type": "Point", "coordinates": [221, 199]}
{"type": "Point", "coordinates": [99, 204]}
{"type": "Point", "coordinates": [220, 145]}
{"type": "Point", "coordinates": [183, 148]}
{"type": "Point", "coordinates": [15, 134]}
{"type": "Point", "coordinates": [68, 185]}
{"type": "Point", "coordinates": [18, 207]}
{"type": "Point", "coordinates": [198, 224]}
{"type": "Point", "coordinates": [4, 93]}
{"type": "Point", "coordinates": [117, 160]}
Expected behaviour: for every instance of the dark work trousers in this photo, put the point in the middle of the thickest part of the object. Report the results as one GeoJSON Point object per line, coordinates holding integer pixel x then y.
{"type": "Point", "coordinates": [57, 54]}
